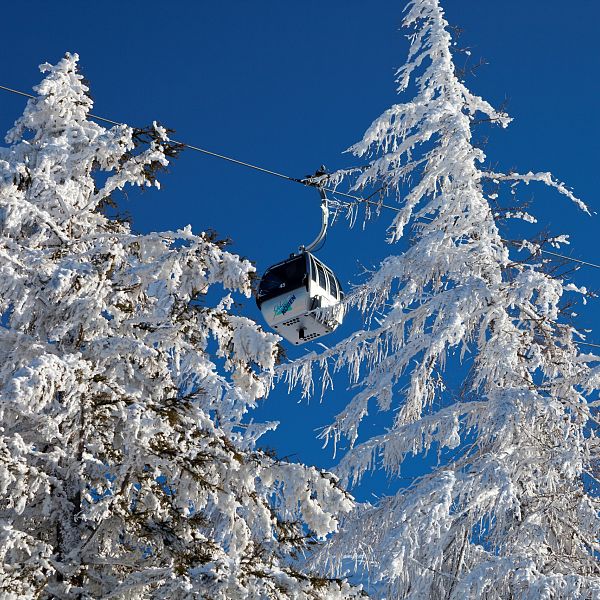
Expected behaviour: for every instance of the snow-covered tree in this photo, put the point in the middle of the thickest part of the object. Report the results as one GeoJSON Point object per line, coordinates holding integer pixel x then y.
{"type": "Point", "coordinates": [126, 467]}
{"type": "Point", "coordinates": [507, 512]}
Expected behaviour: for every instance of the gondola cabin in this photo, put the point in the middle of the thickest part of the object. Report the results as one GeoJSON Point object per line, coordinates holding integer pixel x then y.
{"type": "Point", "coordinates": [291, 293]}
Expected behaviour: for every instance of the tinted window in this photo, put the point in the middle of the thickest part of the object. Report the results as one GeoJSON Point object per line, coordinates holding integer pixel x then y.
{"type": "Point", "coordinates": [313, 270]}
{"type": "Point", "coordinates": [282, 278]}
{"type": "Point", "coordinates": [332, 284]}
{"type": "Point", "coordinates": [321, 273]}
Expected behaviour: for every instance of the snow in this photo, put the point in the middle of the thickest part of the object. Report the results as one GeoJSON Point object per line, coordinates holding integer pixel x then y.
{"type": "Point", "coordinates": [505, 512]}
{"type": "Point", "coordinates": [128, 466]}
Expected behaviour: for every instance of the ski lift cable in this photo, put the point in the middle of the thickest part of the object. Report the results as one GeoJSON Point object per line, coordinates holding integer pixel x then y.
{"type": "Point", "coordinates": [305, 181]}
{"type": "Point", "coordinates": [556, 254]}
{"type": "Point", "coordinates": [580, 343]}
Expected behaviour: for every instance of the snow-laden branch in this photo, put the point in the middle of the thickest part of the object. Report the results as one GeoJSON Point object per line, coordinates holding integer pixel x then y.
{"type": "Point", "coordinates": [543, 177]}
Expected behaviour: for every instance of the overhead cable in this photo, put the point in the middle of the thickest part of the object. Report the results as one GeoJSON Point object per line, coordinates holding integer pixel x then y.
{"type": "Point", "coordinates": [307, 181]}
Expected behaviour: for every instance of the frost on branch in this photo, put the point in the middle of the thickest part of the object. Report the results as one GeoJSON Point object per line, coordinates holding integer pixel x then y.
{"type": "Point", "coordinates": [126, 467]}
{"type": "Point", "coordinates": [507, 512]}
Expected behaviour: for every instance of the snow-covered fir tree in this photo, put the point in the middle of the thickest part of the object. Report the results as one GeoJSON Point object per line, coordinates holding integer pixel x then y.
{"type": "Point", "coordinates": [507, 513]}
{"type": "Point", "coordinates": [126, 467]}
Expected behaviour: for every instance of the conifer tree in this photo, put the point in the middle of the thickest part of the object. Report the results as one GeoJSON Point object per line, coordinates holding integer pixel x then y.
{"type": "Point", "coordinates": [126, 467]}
{"type": "Point", "coordinates": [507, 512]}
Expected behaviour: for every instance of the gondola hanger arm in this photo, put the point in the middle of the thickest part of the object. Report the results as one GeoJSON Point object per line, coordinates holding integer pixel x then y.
{"type": "Point", "coordinates": [324, 222]}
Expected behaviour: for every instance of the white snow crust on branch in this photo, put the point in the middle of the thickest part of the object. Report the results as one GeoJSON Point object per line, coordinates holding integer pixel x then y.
{"type": "Point", "coordinates": [127, 469]}
{"type": "Point", "coordinates": [507, 512]}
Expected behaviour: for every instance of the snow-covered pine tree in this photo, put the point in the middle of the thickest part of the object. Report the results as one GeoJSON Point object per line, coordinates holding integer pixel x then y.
{"type": "Point", "coordinates": [507, 512]}
{"type": "Point", "coordinates": [126, 470]}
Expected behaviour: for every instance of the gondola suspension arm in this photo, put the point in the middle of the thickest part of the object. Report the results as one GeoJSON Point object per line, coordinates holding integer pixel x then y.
{"type": "Point", "coordinates": [324, 223]}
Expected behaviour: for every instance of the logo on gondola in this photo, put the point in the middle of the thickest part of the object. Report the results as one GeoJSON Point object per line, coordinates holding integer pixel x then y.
{"type": "Point", "coordinates": [284, 307]}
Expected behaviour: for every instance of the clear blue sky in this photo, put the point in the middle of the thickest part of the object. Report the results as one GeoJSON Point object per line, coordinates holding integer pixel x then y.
{"type": "Point", "coordinates": [290, 85]}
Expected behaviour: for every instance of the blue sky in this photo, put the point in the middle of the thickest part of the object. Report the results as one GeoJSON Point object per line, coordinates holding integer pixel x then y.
{"type": "Point", "coordinates": [290, 85]}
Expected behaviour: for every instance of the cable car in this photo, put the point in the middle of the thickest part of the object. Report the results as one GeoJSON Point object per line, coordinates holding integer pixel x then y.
{"type": "Point", "coordinates": [300, 297]}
